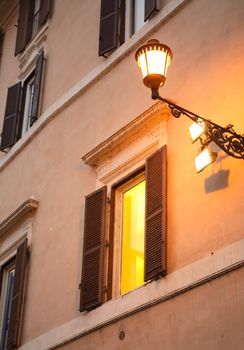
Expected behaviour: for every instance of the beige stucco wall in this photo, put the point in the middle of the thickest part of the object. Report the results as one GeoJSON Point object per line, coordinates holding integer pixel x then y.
{"type": "Point", "coordinates": [206, 76]}
{"type": "Point", "coordinates": [181, 323]}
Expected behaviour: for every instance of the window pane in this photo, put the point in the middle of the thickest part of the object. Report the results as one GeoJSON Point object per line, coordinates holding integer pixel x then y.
{"type": "Point", "coordinates": [132, 271]}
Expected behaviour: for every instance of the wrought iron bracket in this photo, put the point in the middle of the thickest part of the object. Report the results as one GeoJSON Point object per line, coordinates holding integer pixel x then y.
{"type": "Point", "coordinates": [226, 138]}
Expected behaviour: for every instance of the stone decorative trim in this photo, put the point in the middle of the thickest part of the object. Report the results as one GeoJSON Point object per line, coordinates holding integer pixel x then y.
{"type": "Point", "coordinates": [28, 206]}
{"type": "Point", "coordinates": [139, 126]}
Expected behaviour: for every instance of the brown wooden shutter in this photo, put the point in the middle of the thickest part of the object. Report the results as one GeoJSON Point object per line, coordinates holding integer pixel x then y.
{"type": "Point", "coordinates": [37, 88]}
{"type": "Point", "coordinates": [11, 116]}
{"type": "Point", "coordinates": [23, 25]}
{"type": "Point", "coordinates": [150, 8]}
{"type": "Point", "coordinates": [44, 11]}
{"type": "Point", "coordinates": [1, 42]}
{"type": "Point", "coordinates": [156, 215]}
{"type": "Point", "coordinates": [108, 37]}
{"type": "Point", "coordinates": [92, 267]}
{"type": "Point", "coordinates": [18, 297]}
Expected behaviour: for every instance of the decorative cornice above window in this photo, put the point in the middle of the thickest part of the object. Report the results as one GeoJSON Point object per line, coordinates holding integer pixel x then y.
{"type": "Point", "coordinates": [28, 58]}
{"type": "Point", "coordinates": [26, 207]}
{"type": "Point", "coordinates": [137, 127]}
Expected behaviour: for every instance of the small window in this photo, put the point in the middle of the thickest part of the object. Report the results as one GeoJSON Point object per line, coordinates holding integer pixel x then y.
{"type": "Point", "coordinates": [8, 273]}
{"type": "Point", "coordinates": [22, 106]}
{"type": "Point", "coordinates": [120, 19]}
{"type": "Point", "coordinates": [129, 235]}
{"type": "Point", "coordinates": [28, 89]}
{"type": "Point", "coordinates": [33, 14]}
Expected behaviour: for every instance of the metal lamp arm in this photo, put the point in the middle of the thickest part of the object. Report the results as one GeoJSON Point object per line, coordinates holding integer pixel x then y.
{"type": "Point", "coordinates": [226, 138]}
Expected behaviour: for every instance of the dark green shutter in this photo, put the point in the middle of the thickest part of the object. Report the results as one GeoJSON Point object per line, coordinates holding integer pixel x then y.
{"type": "Point", "coordinates": [108, 38]}
{"type": "Point", "coordinates": [150, 8]}
{"type": "Point", "coordinates": [17, 297]}
{"type": "Point", "coordinates": [44, 11]}
{"type": "Point", "coordinates": [37, 88]}
{"type": "Point", "coordinates": [11, 116]}
{"type": "Point", "coordinates": [156, 215]}
{"type": "Point", "coordinates": [91, 286]}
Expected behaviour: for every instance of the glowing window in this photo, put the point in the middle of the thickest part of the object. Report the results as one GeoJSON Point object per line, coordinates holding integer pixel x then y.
{"type": "Point", "coordinates": [132, 257]}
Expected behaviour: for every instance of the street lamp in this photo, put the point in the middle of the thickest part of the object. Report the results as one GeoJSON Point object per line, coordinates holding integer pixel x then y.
{"type": "Point", "coordinates": [154, 59]}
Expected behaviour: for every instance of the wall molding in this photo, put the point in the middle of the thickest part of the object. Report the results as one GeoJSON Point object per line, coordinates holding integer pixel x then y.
{"type": "Point", "coordinates": [28, 206]}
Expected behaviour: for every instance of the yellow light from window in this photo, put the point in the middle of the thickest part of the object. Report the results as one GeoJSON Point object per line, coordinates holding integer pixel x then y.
{"type": "Point", "coordinates": [205, 158]}
{"type": "Point", "coordinates": [132, 264]}
{"type": "Point", "coordinates": [196, 130]}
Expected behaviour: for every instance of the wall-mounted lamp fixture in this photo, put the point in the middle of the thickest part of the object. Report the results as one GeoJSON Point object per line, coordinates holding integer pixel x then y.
{"type": "Point", "coordinates": [154, 58]}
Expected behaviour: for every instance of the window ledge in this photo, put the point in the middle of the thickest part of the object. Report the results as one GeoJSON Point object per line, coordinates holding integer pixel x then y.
{"type": "Point", "coordinates": [28, 206]}
{"type": "Point", "coordinates": [91, 78]}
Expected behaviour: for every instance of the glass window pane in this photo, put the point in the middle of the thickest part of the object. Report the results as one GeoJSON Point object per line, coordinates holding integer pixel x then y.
{"type": "Point", "coordinates": [132, 269]}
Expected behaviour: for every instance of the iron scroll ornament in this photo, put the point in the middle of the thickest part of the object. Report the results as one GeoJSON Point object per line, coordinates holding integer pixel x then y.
{"type": "Point", "coordinates": [226, 138]}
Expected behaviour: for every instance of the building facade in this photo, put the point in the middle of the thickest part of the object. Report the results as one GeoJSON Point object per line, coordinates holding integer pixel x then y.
{"type": "Point", "coordinates": [109, 238]}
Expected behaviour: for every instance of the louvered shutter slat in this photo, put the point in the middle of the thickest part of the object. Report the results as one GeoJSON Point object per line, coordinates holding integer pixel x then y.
{"type": "Point", "coordinates": [45, 11]}
{"type": "Point", "coordinates": [150, 8]}
{"type": "Point", "coordinates": [37, 88]}
{"type": "Point", "coordinates": [92, 266]}
{"type": "Point", "coordinates": [11, 116]}
{"type": "Point", "coordinates": [156, 215]}
{"type": "Point", "coordinates": [17, 297]}
{"type": "Point", "coordinates": [108, 37]}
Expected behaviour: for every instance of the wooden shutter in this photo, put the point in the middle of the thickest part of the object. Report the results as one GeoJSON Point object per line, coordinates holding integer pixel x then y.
{"type": "Point", "coordinates": [108, 37]}
{"type": "Point", "coordinates": [150, 8]}
{"type": "Point", "coordinates": [156, 215]}
{"type": "Point", "coordinates": [18, 297]}
{"type": "Point", "coordinates": [37, 88]}
{"type": "Point", "coordinates": [92, 267]}
{"type": "Point", "coordinates": [1, 42]}
{"type": "Point", "coordinates": [23, 25]}
{"type": "Point", "coordinates": [11, 116]}
{"type": "Point", "coordinates": [44, 11]}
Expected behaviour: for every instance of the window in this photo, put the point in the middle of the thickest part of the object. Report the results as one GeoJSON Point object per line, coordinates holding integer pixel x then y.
{"type": "Point", "coordinates": [120, 19]}
{"type": "Point", "coordinates": [6, 298]}
{"type": "Point", "coordinates": [125, 244]}
{"type": "Point", "coordinates": [22, 106]}
{"type": "Point", "coordinates": [129, 231]}
{"type": "Point", "coordinates": [12, 284]}
{"type": "Point", "coordinates": [32, 16]}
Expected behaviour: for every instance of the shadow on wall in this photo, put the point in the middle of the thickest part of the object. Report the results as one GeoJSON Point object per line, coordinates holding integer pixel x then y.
{"type": "Point", "coordinates": [217, 181]}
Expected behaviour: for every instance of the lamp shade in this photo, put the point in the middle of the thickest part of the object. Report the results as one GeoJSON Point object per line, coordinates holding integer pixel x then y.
{"type": "Point", "coordinates": [154, 58]}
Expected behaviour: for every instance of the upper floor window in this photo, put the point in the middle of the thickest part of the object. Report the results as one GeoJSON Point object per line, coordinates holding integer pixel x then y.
{"type": "Point", "coordinates": [32, 16]}
{"type": "Point", "coordinates": [22, 106]}
{"type": "Point", "coordinates": [120, 19]}
{"type": "Point", "coordinates": [125, 245]}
